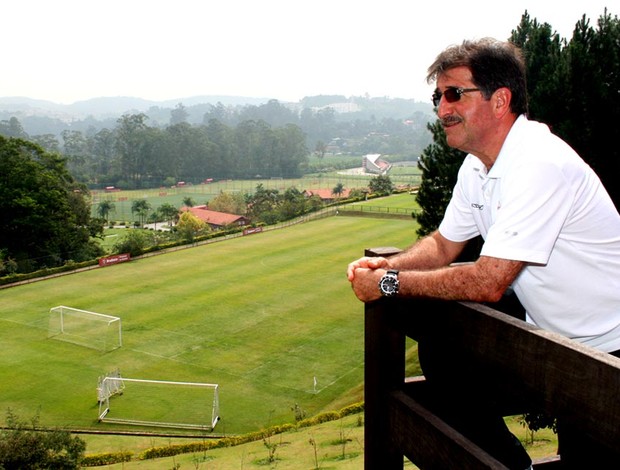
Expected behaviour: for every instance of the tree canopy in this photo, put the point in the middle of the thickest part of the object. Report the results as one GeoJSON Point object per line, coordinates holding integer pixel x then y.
{"type": "Point", "coordinates": [574, 86]}
{"type": "Point", "coordinates": [46, 215]}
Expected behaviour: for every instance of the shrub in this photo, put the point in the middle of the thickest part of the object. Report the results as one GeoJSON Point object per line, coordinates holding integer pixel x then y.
{"type": "Point", "coordinates": [26, 445]}
{"type": "Point", "coordinates": [109, 458]}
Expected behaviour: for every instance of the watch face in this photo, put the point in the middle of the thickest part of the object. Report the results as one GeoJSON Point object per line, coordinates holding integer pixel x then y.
{"type": "Point", "coordinates": [388, 285]}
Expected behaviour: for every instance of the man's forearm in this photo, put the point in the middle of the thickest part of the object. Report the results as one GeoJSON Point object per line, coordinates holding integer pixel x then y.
{"type": "Point", "coordinates": [430, 252]}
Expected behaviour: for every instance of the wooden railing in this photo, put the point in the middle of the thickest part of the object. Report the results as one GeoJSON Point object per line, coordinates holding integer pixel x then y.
{"type": "Point", "coordinates": [540, 370]}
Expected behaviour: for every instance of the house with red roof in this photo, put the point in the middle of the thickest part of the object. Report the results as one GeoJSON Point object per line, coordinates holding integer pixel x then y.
{"type": "Point", "coordinates": [327, 195]}
{"type": "Point", "coordinates": [216, 219]}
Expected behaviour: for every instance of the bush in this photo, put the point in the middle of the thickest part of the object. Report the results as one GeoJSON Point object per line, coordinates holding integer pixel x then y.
{"type": "Point", "coordinates": [25, 445]}
{"type": "Point", "coordinates": [109, 458]}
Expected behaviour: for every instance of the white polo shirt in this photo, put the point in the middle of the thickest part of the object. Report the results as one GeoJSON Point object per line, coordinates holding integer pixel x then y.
{"type": "Point", "coordinates": [542, 204]}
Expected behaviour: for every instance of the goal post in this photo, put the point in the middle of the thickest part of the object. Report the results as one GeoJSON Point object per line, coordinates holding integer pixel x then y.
{"type": "Point", "coordinates": [89, 329]}
{"type": "Point", "coordinates": [109, 385]}
{"type": "Point", "coordinates": [159, 403]}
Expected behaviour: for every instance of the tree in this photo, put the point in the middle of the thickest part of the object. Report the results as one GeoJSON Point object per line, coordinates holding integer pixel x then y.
{"type": "Point", "coordinates": [320, 149]}
{"type": "Point", "coordinates": [7, 265]}
{"type": "Point", "coordinates": [439, 164]}
{"type": "Point", "coordinates": [104, 208]}
{"type": "Point", "coordinates": [48, 141]}
{"type": "Point", "coordinates": [46, 213]}
{"type": "Point", "coordinates": [263, 204]}
{"type": "Point", "coordinates": [133, 242]}
{"type": "Point", "coordinates": [338, 190]}
{"type": "Point", "coordinates": [189, 226]}
{"type": "Point", "coordinates": [573, 87]}
{"type": "Point", "coordinates": [293, 204]}
{"type": "Point", "coordinates": [593, 62]}
{"type": "Point", "coordinates": [141, 207]}
{"type": "Point", "coordinates": [179, 114]}
{"type": "Point", "coordinates": [130, 146]}
{"type": "Point", "coordinates": [24, 445]}
{"type": "Point", "coordinates": [168, 212]}
{"type": "Point", "coordinates": [232, 203]}
{"type": "Point", "coordinates": [381, 185]}
{"type": "Point", "coordinates": [103, 145]}
{"type": "Point", "coordinates": [12, 128]}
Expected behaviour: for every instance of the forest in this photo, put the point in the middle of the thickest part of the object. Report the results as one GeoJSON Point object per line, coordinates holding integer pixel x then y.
{"type": "Point", "coordinates": [202, 142]}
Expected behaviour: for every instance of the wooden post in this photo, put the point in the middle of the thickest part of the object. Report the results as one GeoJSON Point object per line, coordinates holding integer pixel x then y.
{"type": "Point", "coordinates": [384, 372]}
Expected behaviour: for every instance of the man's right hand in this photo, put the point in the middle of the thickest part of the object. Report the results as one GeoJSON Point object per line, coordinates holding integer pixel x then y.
{"type": "Point", "coordinates": [366, 262]}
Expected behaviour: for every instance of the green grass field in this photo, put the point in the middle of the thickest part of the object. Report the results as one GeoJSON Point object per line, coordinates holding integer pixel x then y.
{"type": "Point", "coordinates": [260, 315]}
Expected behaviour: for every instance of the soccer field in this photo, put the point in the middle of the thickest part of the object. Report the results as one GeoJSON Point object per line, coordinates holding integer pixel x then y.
{"type": "Point", "coordinates": [263, 316]}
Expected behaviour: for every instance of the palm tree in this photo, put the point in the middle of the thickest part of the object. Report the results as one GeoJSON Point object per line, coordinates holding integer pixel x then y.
{"type": "Point", "coordinates": [104, 208]}
{"type": "Point", "coordinates": [168, 212]}
{"type": "Point", "coordinates": [338, 190]}
{"type": "Point", "coordinates": [142, 208]}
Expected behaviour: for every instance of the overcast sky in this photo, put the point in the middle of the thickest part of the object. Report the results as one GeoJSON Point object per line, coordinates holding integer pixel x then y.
{"type": "Point", "coordinates": [71, 50]}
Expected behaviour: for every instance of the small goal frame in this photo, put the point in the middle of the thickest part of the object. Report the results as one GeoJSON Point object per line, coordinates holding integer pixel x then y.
{"type": "Point", "coordinates": [108, 338]}
{"type": "Point", "coordinates": [104, 403]}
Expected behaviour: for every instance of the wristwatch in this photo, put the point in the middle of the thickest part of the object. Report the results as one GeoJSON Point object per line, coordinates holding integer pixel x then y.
{"type": "Point", "coordinates": [388, 285]}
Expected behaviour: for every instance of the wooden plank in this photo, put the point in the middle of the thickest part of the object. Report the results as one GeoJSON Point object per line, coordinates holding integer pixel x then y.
{"type": "Point", "coordinates": [576, 382]}
{"type": "Point", "coordinates": [429, 442]}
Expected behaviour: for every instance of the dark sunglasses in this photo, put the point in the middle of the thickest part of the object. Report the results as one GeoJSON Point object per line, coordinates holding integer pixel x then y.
{"type": "Point", "coordinates": [451, 94]}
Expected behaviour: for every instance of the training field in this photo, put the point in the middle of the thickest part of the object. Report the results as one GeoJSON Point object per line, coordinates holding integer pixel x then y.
{"type": "Point", "coordinates": [261, 315]}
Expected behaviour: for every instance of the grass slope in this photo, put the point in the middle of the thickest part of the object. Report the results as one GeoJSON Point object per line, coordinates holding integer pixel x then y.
{"type": "Point", "coordinates": [339, 446]}
{"type": "Point", "coordinates": [260, 315]}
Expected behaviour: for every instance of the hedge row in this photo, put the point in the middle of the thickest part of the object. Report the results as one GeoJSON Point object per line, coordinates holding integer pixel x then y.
{"type": "Point", "coordinates": [69, 266]}
{"type": "Point", "coordinates": [208, 444]}
{"type": "Point", "coordinates": [109, 458]}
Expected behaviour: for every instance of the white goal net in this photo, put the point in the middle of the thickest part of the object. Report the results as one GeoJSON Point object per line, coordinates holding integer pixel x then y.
{"type": "Point", "coordinates": [84, 328]}
{"type": "Point", "coordinates": [158, 403]}
{"type": "Point", "coordinates": [109, 385]}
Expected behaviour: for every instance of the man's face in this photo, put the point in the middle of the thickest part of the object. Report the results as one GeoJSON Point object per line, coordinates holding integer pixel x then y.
{"type": "Point", "coordinates": [468, 121]}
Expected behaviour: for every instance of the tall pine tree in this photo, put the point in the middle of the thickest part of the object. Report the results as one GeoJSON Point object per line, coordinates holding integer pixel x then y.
{"type": "Point", "coordinates": [574, 87]}
{"type": "Point", "coordinates": [439, 164]}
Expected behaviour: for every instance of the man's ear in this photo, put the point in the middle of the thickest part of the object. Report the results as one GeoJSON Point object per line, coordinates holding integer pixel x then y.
{"type": "Point", "coordinates": [501, 101]}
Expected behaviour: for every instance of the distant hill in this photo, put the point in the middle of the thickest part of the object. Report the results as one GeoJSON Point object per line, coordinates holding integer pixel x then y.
{"type": "Point", "coordinates": [105, 107]}
{"type": "Point", "coordinates": [41, 117]}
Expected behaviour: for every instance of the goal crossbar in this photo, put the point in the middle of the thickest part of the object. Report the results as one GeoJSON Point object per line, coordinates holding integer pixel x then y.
{"type": "Point", "coordinates": [102, 316]}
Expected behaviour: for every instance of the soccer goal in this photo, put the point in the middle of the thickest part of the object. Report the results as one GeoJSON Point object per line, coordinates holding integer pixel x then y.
{"type": "Point", "coordinates": [84, 328]}
{"type": "Point", "coordinates": [158, 403]}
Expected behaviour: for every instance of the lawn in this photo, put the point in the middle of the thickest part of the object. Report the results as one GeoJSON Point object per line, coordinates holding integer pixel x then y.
{"type": "Point", "coordinates": [339, 446]}
{"type": "Point", "coordinates": [262, 315]}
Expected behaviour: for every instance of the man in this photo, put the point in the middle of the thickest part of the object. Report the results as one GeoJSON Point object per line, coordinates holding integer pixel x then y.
{"type": "Point", "coordinates": [550, 230]}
